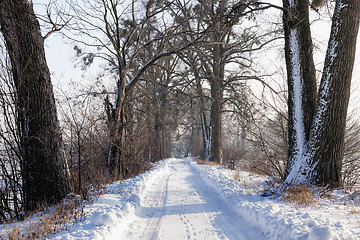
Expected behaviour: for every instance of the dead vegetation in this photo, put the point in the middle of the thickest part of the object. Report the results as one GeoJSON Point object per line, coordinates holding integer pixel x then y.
{"type": "Point", "coordinates": [300, 195]}
{"type": "Point", "coordinates": [47, 220]}
{"type": "Point", "coordinates": [209, 163]}
{"type": "Point", "coordinates": [245, 181]}
{"type": "Point", "coordinates": [238, 178]}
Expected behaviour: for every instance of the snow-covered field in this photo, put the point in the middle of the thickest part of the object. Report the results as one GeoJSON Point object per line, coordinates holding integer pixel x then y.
{"type": "Point", "coordinates": [179, 199]}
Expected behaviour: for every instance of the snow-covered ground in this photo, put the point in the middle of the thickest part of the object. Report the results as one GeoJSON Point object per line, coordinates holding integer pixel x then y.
{"type": "Point", "coordinates": [179, 199]}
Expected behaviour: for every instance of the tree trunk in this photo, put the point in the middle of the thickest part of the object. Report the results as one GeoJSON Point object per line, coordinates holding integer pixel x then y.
{"type": "Point", "coordinates": [301, 78]}
{"type": "Point", "coordinates": [326, 149]}
{"type": "Point", "coordinates": [216, 84]}
{"type": "Point", "coordinates": [216, 106]}
{"type": "Point", "coordinates": [156, 138]}
{"type": "Point", "coordinates": [215, 123]}
{"type": "Point", "coordinates": [116, 128]}
{"type": "Point", "coordinates": [160, 97]}
{"type": "Point", "coordinates": [319, 150]}
{"type": "Point", "coordinates": [205, 135]}
{"type": "Point", "coordinates": [45, 176]}
{"type": "Point", "coordinates": [204, 126]}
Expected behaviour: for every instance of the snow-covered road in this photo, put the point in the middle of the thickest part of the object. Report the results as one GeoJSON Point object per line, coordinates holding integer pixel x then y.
{"type": "Point", "coordinates": [179, 199]}
{"type": "Point", "coordinates": [181, 205]}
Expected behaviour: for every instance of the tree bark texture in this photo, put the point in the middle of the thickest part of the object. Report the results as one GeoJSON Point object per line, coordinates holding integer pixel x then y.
{"type": "Point", "coordinates": [301, 68]}
{"type": "Point", "coordinates": [44, 168]}
{"type": "Point", "coordinates": [215, 123]}
{"type": "Point", "coordinates": [320, 160]}
{"type": "Point", "coordinates": [216, 82]}
{"type": "Point", "coordinates": [326, 149]}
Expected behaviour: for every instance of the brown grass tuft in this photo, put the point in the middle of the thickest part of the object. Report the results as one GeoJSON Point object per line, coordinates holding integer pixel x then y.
{"type": "Point", "coordinates": [300, 195]}
{"type": "Point", "coordinates": [354, 211]}
{"type": "Point", "coordinates": [203, 162]}
{"type": "Point", "coordinates": [238, 178]}
{"type": "Point", "coordinates": [242, 180]}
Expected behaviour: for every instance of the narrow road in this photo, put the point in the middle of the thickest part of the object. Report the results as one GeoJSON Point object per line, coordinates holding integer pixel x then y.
{"type": "Point", "coordinates": [182, 205]}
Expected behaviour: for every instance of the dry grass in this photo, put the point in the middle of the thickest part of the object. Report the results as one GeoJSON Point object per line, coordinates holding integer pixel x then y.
{"type": "Point", "coordinates": [249, 185]}
{"type": "Point", "coordinates": [300, 195]}
{"type": "Point", "coordinates": [203, 162]}
{"type": "Point", "coordinates": [350, 201]}
{"type": "Point", "coordinates": [238, 178]}
{"type": "Point", "coordinates": [245, 182]}
{"type": "Point", "coordinates": [355, 210]}
{"type": "Point", "coordinates": [49, 220]}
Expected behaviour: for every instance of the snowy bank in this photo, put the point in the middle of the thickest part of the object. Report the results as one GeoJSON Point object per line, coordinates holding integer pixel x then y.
{"type": "Point", "coordinates": [279, 220]}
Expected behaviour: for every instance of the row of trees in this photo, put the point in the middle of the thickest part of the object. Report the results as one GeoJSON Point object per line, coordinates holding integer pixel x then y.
{"type": "Point", "coordinates": [172, 72]}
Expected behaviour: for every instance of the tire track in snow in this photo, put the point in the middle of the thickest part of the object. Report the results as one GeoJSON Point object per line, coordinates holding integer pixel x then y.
{"type": "Point", "coordinates": [150, 211]}
{"type": "Point", "coordinates": [182, 205]}
{"type": "Point", "coordinates": [233, 225]}
{"type": "Point", "coordinates": [157, 215]}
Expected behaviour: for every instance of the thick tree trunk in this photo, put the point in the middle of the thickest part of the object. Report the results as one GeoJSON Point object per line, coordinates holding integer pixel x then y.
{"type": "Point", "coordinates": [215, 123]}
{"type": "Point", "coordinates": [44, 168]}
{"type": "Point", "coordinates": [301, 78]}
{"type": "Point", "coordinates": [216, 107]}
{"type": "Point", "coordinates": [319, 160]}
{"type": "Point", "coordinates": [326, 149]}
{"type": "Point", "coordinates": [216, 84]}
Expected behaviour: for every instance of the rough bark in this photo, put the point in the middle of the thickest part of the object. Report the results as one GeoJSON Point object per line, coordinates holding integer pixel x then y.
{"type": "Point", "coordinates": [215, 123]}
{"type": "Point", "coordinates": [43, 165]}
{"type": "Point", "coordinates": [320, 160]}
{"type": "Point", "coordinates": [300, 67]}
{"type": "Point", "coordinates": [326, 149]}
{"type": "Point", "coordinates": [216, 82]}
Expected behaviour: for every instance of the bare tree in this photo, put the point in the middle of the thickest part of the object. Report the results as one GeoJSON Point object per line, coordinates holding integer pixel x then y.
{"type": "Point", "coordinates": [223, 46]}
{"type": "Point", "coordinates": [119, 34]}
{"type": "Point", "coordinates": [11, 196]}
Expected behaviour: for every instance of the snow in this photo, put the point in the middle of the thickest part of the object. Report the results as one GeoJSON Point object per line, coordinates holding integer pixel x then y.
{"type": "Point", "coordinates": [116, 95]}
{"type": "Point", "coordinates": [179, 199]}
{"type": "Point", "coordinates": [292, 3]}
{"type": "Point", "coordinates": [299, 143]}
{"type": "Point", "coordinates": [325, 86]}
{"type": "Point", "coordinates": [205, 136]}
{"type": "Point", "coordinates": [279, 220]}
{"type": "Point", "coordinates": [298, 91]}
